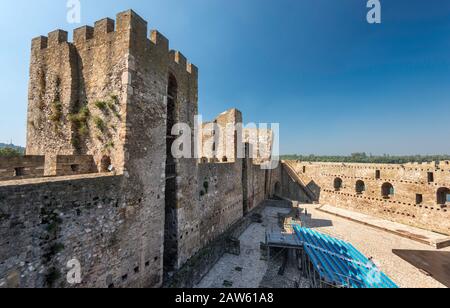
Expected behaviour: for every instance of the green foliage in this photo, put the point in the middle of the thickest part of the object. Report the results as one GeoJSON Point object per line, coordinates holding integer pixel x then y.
{"type": "Point", "coordinates": [108, 107]}
{"type": "Point", "coordinates": [112, 104]}
{"type": "Point", "coordinates": [10, 152]}
{"type": "Point", "coordinates": [115, 99]}
{"type": "Point", "coordinates": [56, 111]}
{"type": "Point", "coordinates": [80, 124]}
{"type": "Point", "coordinates": [109, 145]}
{"type": "Point", "coordinates": [80, 120]}
{"type": "Point", "coordinates": [372, 159]}
{"type": "Point", "coordinates": [100, 124]}
{"type": "Point", "coordinates": [102, 105]}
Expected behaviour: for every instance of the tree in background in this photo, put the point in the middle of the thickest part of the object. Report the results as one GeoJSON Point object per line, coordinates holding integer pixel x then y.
{"type": "Point", "coordinates": [10, 152]}
{"type": "Point", "coordinates": [364, 158]}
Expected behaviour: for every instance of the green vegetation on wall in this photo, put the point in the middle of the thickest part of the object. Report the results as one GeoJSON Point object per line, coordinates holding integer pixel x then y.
{"type": "Point", "coordinates": [80, 122]}
{"type": "Point", "coordinates": [107, 107]}
{"type": "Point", "coordinates": [56, 112]}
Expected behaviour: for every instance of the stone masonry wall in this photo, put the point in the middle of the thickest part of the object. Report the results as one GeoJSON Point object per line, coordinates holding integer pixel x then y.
{"type": "Point", "coordinates": [220, 198]}
{"type": "Point", "coordinates": [24, 167]}
{"type": "Point", "coordinates": [291, 189]}
{"type": "Point", "coordinates": [98, 103]}
{"type": "Point", "coordinates": [42, 227]}
{"type": "Point", "coordinates": [13, 168]}
{"type": "Point", "coordinates": [413, 199]}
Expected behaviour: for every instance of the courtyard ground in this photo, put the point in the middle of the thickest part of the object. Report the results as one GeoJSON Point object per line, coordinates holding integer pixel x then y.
{"type": "Point", "coordinates": [249, 271]}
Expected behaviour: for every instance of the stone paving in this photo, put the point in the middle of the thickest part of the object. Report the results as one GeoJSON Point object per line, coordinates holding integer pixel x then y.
{"type": "Point", "coordinates": [377, 244]}
{"type": "Point", "coordinates": [249, 271]}
{"type": "Point", "coordinates": [244, 271]}
{"type": "Point", "coordinates": [434, 239]}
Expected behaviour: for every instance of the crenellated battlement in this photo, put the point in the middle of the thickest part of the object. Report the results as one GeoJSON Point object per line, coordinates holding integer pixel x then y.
{"type": "Point", "coordinates": [107, 27]}
{"type": "Point", "coordinates": [158, 39]}
{"type": "Point", "coordinates": [105, 104]}
{"type": "Point", "coordinates": [99, 68]}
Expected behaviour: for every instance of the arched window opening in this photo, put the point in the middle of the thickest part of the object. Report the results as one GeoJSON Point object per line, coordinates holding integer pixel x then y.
{"type": "Point", "coordinates": [170, 224]}
{"type": "Point", "coordinates": [20, 171]}
{"type": "Point", "coordinates": [443, 196]}
{"type": "Point", "coordinates": [419, 198]}
{"type": "Point", "coordinates": [337, 184]}
{"type": "Point", "coordinates": [105, 164]}
{"type": "Point", "coordinates": [277, 189]}
{"type": "Point", "coordinates": [387, 190]}
{"type": "Point", "coordinates": [377, 174]}
{"type": "Point", "coordinates": [360, 187]}
{"type": "Point", "coordinates": [430, 177]}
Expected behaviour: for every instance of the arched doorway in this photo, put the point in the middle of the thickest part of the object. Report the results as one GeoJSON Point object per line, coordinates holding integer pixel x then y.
{"type": "Point", "coordinates": [443, 196]}
{"type": "Point", "coordinates": [360, 187]}
{"type": "Point", "coordinates": [387, 190]}
{"type": "Point", "coordinates": [337, 184]}
{"type": "Point", "coordinates": [105, 164]}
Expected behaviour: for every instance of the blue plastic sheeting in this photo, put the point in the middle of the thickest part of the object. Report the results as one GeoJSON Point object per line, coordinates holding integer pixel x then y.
{"type": "Point", "coordinates": [339, 263]}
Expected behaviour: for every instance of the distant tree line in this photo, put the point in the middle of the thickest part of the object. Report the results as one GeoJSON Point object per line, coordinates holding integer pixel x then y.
{"type": "Point", "coordinates": [365, 158]}
{"type": "Point", "coordinates": [9, 150]}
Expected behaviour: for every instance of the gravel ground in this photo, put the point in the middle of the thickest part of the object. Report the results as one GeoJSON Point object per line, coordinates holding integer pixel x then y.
{"type": "Point", "coordinates": [379, 245]}
{"type": "Point", "coordinates": [249, 271]}
{"type": "Point", "coordinates": [290, 279]}
{"type": "Point", "coordinates": [244, 271]}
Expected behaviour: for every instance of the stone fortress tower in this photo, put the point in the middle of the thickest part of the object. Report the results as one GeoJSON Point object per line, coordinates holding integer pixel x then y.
{"type": "Point", "coordinates": [115, 94]}
{"type": "Point", "coordinates": [99, 186]}
{"type": "Point", "coordinates": [99, 183]}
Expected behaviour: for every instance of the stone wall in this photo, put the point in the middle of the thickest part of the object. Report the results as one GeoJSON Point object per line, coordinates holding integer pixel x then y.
{"type": "Point", "coordinates": [258, 186]}
{"type": "Point", "coordinates": [78, 91]}
{"type": "Point", "coordinates": [44, 223]}
{"type": "Point", "coordinates": [220, 139]}
{"type": "Point", "coordinates": [107, 102]}
{"type": "Point", "coordinates": [220, 198]}
{"type": "Point", "coordinates": [412, 194]}
{"type": "Point", "coordinates": [291, 189]}
{"type": "Point", "coordinates": [13, 168]}
{"type": "Point", "coordinates": [261, 141]}
{"type": "Point", "coordinates": [63, 165]}
{"type": "Point", "coordinates": [24, 167]}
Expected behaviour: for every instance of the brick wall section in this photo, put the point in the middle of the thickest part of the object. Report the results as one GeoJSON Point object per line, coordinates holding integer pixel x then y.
{"type": "Point", "coordinates": [409, 181]}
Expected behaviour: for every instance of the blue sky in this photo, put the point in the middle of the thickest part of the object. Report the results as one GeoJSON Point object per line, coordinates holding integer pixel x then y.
{"type": "Point", "coordinates": [335, 84]}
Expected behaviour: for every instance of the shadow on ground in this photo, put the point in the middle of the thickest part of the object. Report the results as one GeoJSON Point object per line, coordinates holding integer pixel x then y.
{"type": "Point", "coordinates": [434, 263]}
